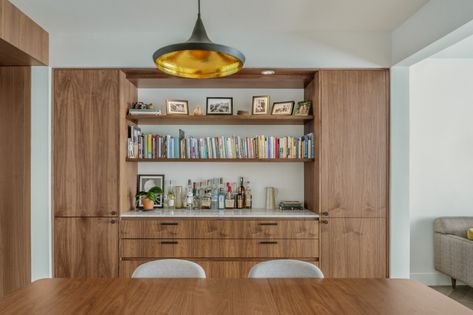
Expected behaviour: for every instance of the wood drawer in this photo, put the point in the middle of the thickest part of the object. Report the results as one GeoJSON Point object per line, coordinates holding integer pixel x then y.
{"type": "Point", "coordinates": [247, 229]}
{"type": "Point", "coordinates": [152, 228]}
{"type": "Point", "coordinates": [214, 269]}
{"type": "Point", "coordinates": [220, 248]}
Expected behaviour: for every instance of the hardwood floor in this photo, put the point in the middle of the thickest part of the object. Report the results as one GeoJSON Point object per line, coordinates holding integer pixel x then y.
{"type": "Point", "coordinates": [462, 294]}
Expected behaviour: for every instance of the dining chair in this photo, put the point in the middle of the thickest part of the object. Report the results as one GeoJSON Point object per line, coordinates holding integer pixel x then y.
{"type": "Point", "coordinates": [285, 268]}
{"type": "Point", "coordinates": [169, 268]}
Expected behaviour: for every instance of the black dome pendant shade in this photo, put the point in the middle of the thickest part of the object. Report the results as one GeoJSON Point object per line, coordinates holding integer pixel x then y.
{"type": "Point", "coordinates": [199, 57]}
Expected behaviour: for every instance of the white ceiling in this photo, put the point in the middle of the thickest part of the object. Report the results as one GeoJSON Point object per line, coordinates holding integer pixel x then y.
{"type": "Point", "coordinates": [84, 16]}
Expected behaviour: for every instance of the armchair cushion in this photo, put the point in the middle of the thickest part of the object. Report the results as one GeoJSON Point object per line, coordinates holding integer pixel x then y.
{"type": "Point", "coordinates": [453, 225]}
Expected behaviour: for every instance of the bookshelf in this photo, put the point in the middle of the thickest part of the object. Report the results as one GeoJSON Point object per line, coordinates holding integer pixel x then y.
{"type": "Point", "coordinates": [223, 160]}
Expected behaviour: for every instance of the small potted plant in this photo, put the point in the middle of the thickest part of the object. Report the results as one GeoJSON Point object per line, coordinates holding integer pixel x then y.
{"type": "Point", "coordinates": [149, 197]}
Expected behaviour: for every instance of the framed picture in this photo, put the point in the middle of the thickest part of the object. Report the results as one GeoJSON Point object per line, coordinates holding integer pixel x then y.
{"type": "Point", "coordinates": [146, 182]}
{"type": "Point", "coordinates": [302, 108]}
{"type": "Point", "coordinates": [283, 108]}
{"type": "Point", "coordinates": [219, 105]}
{"type": "Point", "coordinates": [260, 105]}
{"type": "Point", "coordinates": [176, 107]}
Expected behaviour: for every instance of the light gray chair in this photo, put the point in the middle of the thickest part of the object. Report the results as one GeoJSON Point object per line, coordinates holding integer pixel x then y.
{"type": "Point", "coordinates": [285, 268]}
{"type": "Point", "coordinates": [169, 268]}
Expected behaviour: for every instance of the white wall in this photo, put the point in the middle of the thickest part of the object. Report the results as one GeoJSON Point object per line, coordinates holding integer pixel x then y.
{"type": "Point", "coordinates": [40, 174]}
{"type": "Point", "coordinates": [287, 177]}
{"type": "Point", "coordinates": [441, 154]}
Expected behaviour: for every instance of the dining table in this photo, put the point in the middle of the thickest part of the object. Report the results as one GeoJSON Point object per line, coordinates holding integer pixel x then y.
{"type": "Point", "coordinates": [228, 296]}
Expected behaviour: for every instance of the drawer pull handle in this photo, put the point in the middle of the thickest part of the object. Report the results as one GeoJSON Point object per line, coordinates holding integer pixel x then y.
{"type": "Point", "coordinates": [268, 242]}
{"type": "Point", "coordinates": [113, 221]}
{"type": "Point", "coordinates": [169, 223]}
{"type": "Point", "coordinates": [169, 242]}
{"type": "Point", "coordinates": [324, 221]}
{"type": "Point", "coordinates": [325, 213]}
{"type": "Point", "coordinates": [268, 223]}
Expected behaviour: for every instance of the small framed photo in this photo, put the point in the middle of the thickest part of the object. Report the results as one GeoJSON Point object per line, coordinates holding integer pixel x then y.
{"type": "Point", "coordinates": [283, 108]}
{"type": "Point", "coordinates": [146, 182]}
{"type": "Point", "coordinates": [303, 108]}
{"type": "Point", "coordinates": [219, 105]}
{"type": "Point", "coordinates": [260, 105]}
{"type": "Point", "coordinates": [176, 107]}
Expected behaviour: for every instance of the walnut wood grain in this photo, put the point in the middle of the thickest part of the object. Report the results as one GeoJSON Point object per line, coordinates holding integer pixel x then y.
{"type": "Point", "coordinates": [86, 143]}
{"type": "Point", "coordinates": [354, 248]}
{"type": "Point", "coordinates": [219, 248]}
{"type": "Point", "coordinates": [229, 296]}
{"type": "Point", "coordinates": [214, 268]}
{"type": "Point", "coordinates": [22, 41]}
{"type": "Point", "coordinates": [218, 120]}
{"type": "Point", "coordinates": [85, 247]}
{"type": "Point", "coordinates": [15, 178]}
{"type": "Point", "coordinates": [218, 229]}
{"type": "Point", "coordinates": [354, 149]}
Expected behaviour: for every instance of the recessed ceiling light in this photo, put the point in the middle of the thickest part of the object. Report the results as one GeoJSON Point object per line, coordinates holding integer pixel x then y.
{"type": "Point", "coordinates": [268, 72]}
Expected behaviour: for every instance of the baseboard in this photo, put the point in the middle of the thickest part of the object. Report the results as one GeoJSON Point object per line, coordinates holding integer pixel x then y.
{"type": "Point", "coordinates": [433, 278]}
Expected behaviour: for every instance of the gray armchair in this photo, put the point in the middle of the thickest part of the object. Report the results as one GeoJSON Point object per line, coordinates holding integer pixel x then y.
{"type": "Point", "coordinates": [453, 251]}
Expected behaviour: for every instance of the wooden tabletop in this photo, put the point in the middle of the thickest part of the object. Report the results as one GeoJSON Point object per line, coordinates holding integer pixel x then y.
{"type": "Point", "coordinates": [239, 296]}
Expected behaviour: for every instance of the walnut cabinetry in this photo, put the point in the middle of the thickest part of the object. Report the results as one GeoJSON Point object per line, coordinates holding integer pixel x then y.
{"type": "Point", "coordinates": [225, 248]}
{"type": "Point", "coordinates": [91, 183]}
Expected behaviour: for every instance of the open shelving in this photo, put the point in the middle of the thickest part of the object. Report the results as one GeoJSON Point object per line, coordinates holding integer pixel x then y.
{"type": "Point", "coordinates": [222, 160]}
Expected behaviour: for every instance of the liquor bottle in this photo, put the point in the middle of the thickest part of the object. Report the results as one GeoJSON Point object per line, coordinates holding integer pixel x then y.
{"type": "Point", "coordinates": [221, 196]}
{"type": "Point", "coordinates": [241, 195]}
{"type": "Point", "coordinates": [190, 195]}
{"type": "Point", "coordinates": [248, 196]}
{"type": "Point", "coordinates": [171, 197]}
{"type": "Point", "coordinates": [206, 199]}
{"type": "Point", "coordinates": [195, 192]}
{"type": "Point", "coordinates": [214, 194]}
{"type": "Point", "coordinates": [229, 200]}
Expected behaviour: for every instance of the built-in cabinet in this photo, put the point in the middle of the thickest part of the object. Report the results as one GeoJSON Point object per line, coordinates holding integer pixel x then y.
{"type": "Point", "coordinates": [347, 182]}
{"type": "Point", "coordinates": [91, 183]}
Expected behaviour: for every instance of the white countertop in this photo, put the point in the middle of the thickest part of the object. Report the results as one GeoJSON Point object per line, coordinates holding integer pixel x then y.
{"type": "Point", "coordinates": [237, 213]}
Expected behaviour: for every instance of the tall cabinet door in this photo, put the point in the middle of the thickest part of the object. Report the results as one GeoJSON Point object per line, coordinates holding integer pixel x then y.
{"type": "Point", "coordinates": [354, 143]}
{"type": "Point", "coordinates": [85, 247]}
{"type": "Point", "coordinates": [354, 172]}
{"type": "Point", "coordinates": [85, 142]}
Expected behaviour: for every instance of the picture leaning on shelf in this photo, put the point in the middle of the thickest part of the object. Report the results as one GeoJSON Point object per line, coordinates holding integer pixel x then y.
{"type": "Point", "coordinates": [153, 146]}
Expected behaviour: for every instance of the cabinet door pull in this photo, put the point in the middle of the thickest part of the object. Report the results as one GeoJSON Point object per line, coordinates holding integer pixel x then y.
{"type": "Point", "coordinates": [169, 242]}
{"type": "Point", "coordinates": [324, 221]}
{"type": "Point", "coordinates": [169, 223]}
{"type": "Point", "coordinates": [268, 223]}
{"type": "Point", "coordinates": [113, 221]}
{"type": "Point", "coordinates": [268, 242]}
{"type": "Point", "coordinates": [114, 213]}
{"type": "Point", "coordinates": [325, 213]}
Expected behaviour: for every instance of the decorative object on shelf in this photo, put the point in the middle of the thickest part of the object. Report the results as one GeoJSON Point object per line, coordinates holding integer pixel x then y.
{"type": "Point", "coordinates": [303, 108]}
{"type": "Point", "coordinates": [141, 105]}
{"type": "Point", "coordinates": [271, 193]}
{"type": "Point", "coordinates": [219, 105]}
{"type": "Point", "coordinates": [243, 113]}
{"type": "Point", "coordinates": [149, 198]}
{"type": "Point", "coordinates": [177, 107]}
{"type": "Point", "coordinates": [260, 105]}
{"type": "Point", "coordinates": [156, 112]}
{"type": "Point", "coordinates": [283, 108]}
{"type": "Point", "coordinates": [197, 111]}
{"type": "Point", "coordinates": [199, 57]}
{"type": "Point", "coordinates": [291, 205]}
{"type": "Point", "coordinates": [148, 182]}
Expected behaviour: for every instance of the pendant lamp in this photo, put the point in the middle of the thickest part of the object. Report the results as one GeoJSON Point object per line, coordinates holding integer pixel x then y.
{"type": "Point", "coordinates": [199, 57]}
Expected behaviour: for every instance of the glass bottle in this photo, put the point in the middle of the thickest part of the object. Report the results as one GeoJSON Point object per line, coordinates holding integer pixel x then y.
{"type": "Point", "coordinates": [190, 195]}
{"type": "Point", "coordinates": [221, 195]}
{"type": "Point", "coordinates": [248, 196]}
{"type": "Point", "coordinates": [214, 194]}
{"type": "Point", "coordinates": [206, 200]}
{"type": "Point", "coordinates": [196, 204]}
{"type": "Point", "coordinates": [171, 197]}
{"type": "Point", "coordinates": [229, 200]}
{"type": "Point", "coordinates": [241, 195]}
{"type": "Point", "coordinates": [178, 193]}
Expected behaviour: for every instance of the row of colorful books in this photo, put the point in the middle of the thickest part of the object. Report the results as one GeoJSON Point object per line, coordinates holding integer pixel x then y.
{"type": "Point", "coordinates": [152, 146]}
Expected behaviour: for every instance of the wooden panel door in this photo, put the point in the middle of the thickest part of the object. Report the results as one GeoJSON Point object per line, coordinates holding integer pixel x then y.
{"type": "Point", "coordinates": [86, 143]}
{"type": "Point", "coordinates": [85, 247]}
{"type": "Point", "coordinates": [15, 178]}
{"type": "Point", "coordinates": [354, 143]}
{"type": "Point", "coordinates": [353, 248]}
